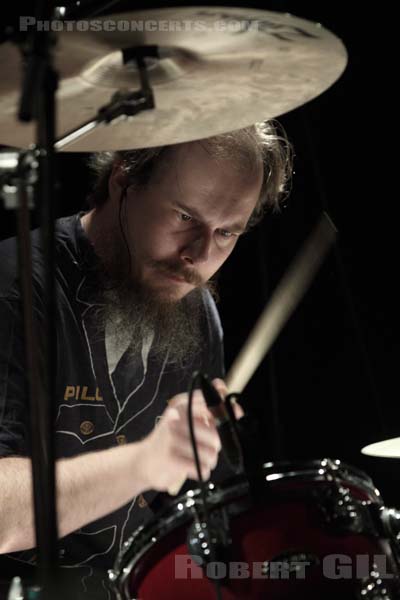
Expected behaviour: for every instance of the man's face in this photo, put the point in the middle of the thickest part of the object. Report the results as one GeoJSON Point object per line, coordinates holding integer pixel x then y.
{"type": "Point", "coordinates": [183, 226]}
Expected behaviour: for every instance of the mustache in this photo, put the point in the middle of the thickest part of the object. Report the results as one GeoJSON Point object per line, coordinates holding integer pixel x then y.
{"type": "Point", "coordinates": [191, 276]}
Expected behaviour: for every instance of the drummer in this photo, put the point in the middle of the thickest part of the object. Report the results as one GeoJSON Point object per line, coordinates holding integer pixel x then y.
{"type": "Point", "coordinates": [136, 316]}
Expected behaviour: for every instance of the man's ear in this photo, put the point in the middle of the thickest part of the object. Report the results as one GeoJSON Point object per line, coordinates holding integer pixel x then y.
{"type": "Point", "coordinates": [117, 181]}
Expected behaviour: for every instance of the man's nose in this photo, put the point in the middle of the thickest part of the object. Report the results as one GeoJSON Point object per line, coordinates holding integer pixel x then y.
{"type": "Point", "coordinates": [197, 250]}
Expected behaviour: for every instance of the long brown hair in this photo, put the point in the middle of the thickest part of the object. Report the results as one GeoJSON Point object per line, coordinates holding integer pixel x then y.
{"type": "Point", "coordinates": [264, 143]}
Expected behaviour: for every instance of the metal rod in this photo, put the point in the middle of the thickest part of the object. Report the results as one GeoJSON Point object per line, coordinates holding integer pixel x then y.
{"type": "Point", "coordinates": [70, 137]}
{"type": "Point", "coordinates": [43, 405]}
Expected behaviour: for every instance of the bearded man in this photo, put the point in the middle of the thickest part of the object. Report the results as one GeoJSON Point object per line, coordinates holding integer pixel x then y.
{"type": "Point", "coordinates": [135, 318]}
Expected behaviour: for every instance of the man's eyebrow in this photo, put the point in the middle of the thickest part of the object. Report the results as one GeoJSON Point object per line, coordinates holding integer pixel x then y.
{"type": "Point", "coordinates": [234, 227]}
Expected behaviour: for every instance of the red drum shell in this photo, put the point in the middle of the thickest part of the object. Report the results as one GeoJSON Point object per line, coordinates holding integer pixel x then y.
{"type": "Point", "coordinates": [292, 519]}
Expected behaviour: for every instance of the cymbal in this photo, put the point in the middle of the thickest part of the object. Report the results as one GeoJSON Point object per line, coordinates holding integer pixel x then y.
{"type": "Point", "coordinates": [221, 68]}
{"type": "Point", "coordinates": [386, 449]}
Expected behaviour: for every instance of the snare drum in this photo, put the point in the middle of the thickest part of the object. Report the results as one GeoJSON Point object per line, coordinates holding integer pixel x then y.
{"type": "Point", "coordinates": [319, 530]}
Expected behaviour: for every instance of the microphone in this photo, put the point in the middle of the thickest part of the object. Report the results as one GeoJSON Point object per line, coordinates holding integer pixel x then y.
{"type": "Point", "coordinates": [225, 425]}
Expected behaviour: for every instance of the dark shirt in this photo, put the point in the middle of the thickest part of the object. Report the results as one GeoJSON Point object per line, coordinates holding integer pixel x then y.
{"type": "Point", "coordinates": [104, 395]}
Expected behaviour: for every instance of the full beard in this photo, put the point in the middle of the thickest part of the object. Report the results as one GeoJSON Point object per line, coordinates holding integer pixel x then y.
{"type": "Point", "coordinates": [131, 311]}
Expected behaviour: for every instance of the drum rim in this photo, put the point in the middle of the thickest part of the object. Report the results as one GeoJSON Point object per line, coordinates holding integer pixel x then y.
{"type": "Point", "coordinates": [181, 509]}
{"type": "Point", "coordinates": [320, 467]}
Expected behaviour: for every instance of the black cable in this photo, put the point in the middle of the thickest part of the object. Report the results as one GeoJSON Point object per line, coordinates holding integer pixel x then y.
{"type": "Point", "coordinates": [203, 491]}
{"type": "Point", "coordinates": [122, 203]}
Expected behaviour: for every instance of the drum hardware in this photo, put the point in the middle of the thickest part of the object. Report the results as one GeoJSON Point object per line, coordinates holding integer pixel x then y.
{"type": "Point", "coordinates": [211, 536]}
{"type": "Point", "coordinates": [30, 176]}
{"type": "Point", "coordinates": [200, 538]}
{"type": "Point", "coordinates": [390, 521]}
{"type": "Point", "coordinates": [283, 528]}
{"type": "Point", "coordinates": [225, 421]}
{"type": "Point", "coordinates": [374, 587]}
{"type": "Point", "coordinates": [36, 102]}
{"type": "Point", "coordinates": [291, 561]}
{"type": "Point", "coordinates": [124, 104]}
{"type": "Point", "coordinates": [18, 174]}
{"type": "Point", "coordinates": [390, 518]}
{"type": "Point", "coordinates": [343, 513]}
{"type": "Point", "coordinates": [258, 72]}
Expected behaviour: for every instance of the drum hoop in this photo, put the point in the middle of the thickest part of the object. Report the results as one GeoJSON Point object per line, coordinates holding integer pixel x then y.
{"type": "Point", "coordinates": [322, 470]}
{"type": "Point", "coordinates": [184, 507]}
{"type": "Point", "coordinates": [169, 519]}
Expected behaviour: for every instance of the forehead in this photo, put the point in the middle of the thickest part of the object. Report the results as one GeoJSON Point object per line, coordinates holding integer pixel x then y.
{"type": "Point", "coordinates": [221, 187]}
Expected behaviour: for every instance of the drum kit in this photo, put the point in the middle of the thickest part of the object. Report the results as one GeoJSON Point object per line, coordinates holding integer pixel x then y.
{"type": "Point", "coordinates": [316, 529]}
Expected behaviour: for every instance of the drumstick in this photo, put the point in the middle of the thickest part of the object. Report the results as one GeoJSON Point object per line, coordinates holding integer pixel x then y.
{"type": "Point", "coordinates": [284, 300]}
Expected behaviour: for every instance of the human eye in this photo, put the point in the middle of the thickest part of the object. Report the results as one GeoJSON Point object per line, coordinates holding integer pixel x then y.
{"type": "Point", "coordinates": [224, 233]}
{"type": "Point", "coordinates": [183, 217]}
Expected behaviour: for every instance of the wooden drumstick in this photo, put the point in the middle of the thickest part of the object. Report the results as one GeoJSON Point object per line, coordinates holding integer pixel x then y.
{"type": "Point", "coordinates": [284, 300]}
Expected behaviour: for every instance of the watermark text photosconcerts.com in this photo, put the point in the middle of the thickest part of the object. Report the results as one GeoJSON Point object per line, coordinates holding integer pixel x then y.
{"type": "Point", "coordinates": [27, 23]}
{"type": "Point", "coordinates": [333, 566]}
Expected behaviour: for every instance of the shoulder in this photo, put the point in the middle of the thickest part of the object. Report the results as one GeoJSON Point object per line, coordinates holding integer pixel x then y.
{"type": "Point", "coordinates": [9, 286]}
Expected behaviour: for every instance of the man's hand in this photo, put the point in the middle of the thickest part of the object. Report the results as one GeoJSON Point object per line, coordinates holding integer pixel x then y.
{"type": "Point", "coordinates": [94, 484]}
{"type": "Point", "coordinates": [167, 453]}
{"type": "Point", "coordinates": [221, 388]}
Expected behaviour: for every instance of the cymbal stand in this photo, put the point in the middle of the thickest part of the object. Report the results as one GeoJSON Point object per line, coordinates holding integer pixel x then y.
{"type": "Point", "coordinates": [38, 102]}
{"type": "Point", "coordinates": [31, 173]}
{"type": "Point", "coordinates": [124, 103]}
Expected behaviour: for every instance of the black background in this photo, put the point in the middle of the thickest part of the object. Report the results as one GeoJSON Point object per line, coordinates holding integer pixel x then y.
{"type": "Point", "coordinates": [330, 384]}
